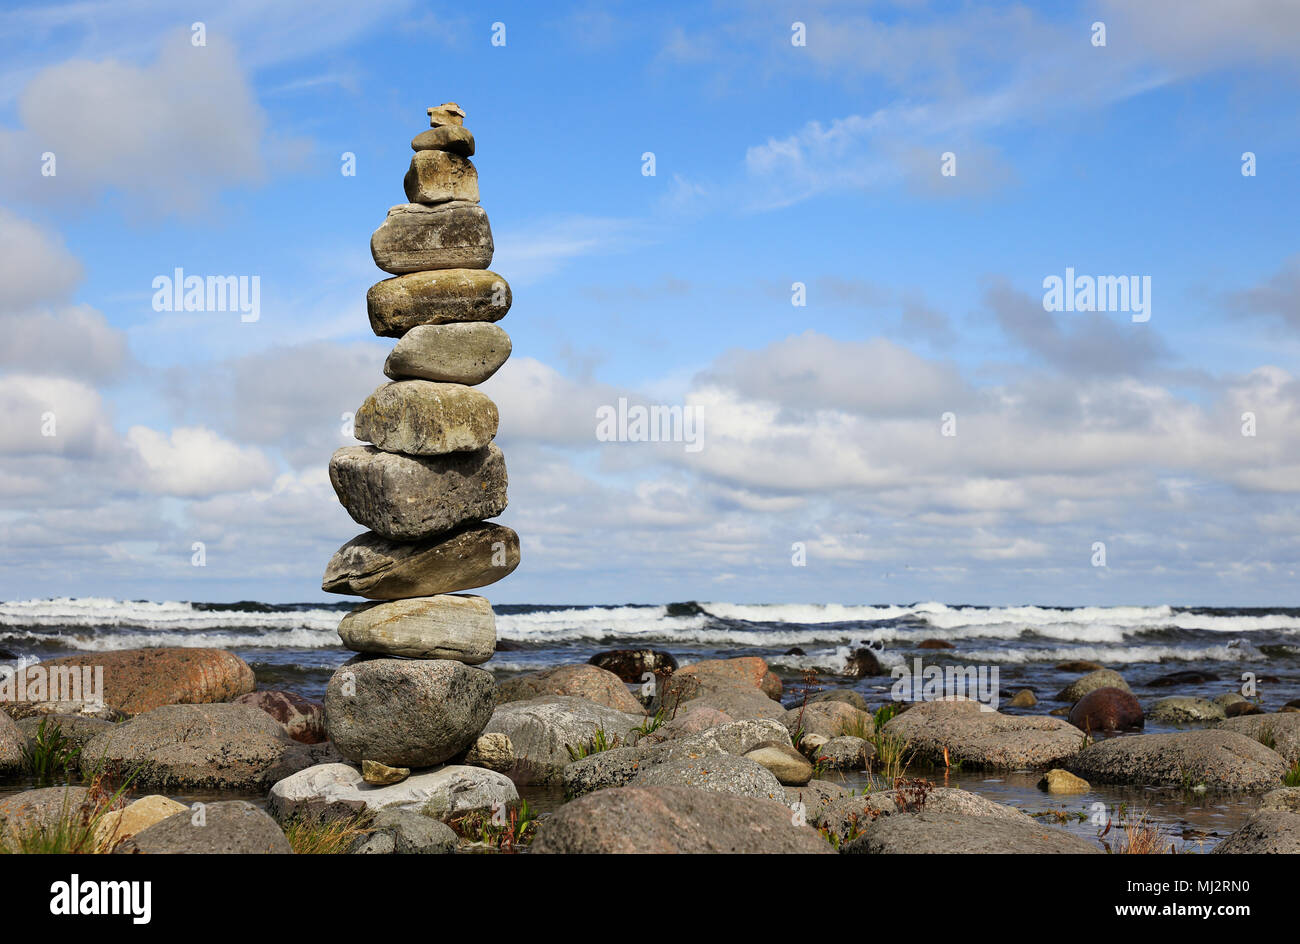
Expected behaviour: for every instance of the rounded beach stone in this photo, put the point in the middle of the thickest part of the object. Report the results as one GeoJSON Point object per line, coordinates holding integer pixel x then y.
{"type": "Point", "coordinates": [1180, 709]}
{"type": "Point", "coordinates": [416, 238]}
{"type": "Point", "coordinates": [725, 773]}
{"type": "Point", "coordinates": [446, 296]}
{"type": "Point", "coordinates": [137, 680]}
{"type": "Point", "coordinates": [1219, 759]}
{"type": "Point", "coordinates": [333, 790]}
{"type": "Point", "coordinates": [231, 827]}
{"type": "Point", "coordinates": [1107, 709]}
{"type": "Point", "coordinates": [582, 681]}
{"type": "Point", "coordinates": [373, 567]}
{"type": "Point", "coordinates": [454, 138]}
{"type": "Point", "coordinates": [422, 418]}
{"type": "Point", "coordinates": [406, 712]}
{"type": "Point", "coordinates": [467, 352]}
{"type": "Point", "coordinates": [439, 177]}
{"type": "Point", "coordinates": [785, 763]}
{"type": "Point", "coordinates": [984, 739]}
{"type": "Point", "coordinates": [407, 498]}
{"type": "Point", "coordinates": [461, 628]}
{"type": "Point", "coordinates": [1098, 678]}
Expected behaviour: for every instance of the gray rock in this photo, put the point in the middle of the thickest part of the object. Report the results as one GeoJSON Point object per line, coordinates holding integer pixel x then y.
{"type": "Point", "coordinates": [931, 832]}
{"type": "Point", "coordinates": [845, 753]}
{"type": "Point", "coordinates": [423, 418]}
{"type": "Point", "coordinates": [467, 352]}
{"type": "Point", "coordinates": [12, 744]}
{"type": "Point", "coordinates": [31, 811]}
{"type": "Point", "coordinates": [815, 796]}
{"type": "Point", "coordinates": [231, 827]}
{"type": "Point", "coordinates": [619, 767]}
{"type": "Point", "coordinates": [416, 238]}
{"type": "Point", "coordinates": [1180, 709]}
{"type": "Point", "coordinates": [213, 746]}
{"type": "Point", "coordinates": [415, 833]}
{"type": "Point", "coordinates": [378, 842]}
{"type": "Point", "coordinates": [1099, 678]}
{"type": "Point", "coordinates": [449, 626]}
{"type": "Point", "coordinates": [1273, 828]}
{"type": "Point", "coordinates": [786, 764]}
{"type": "Point", "coordinates": [830, 719]}
{"type": "Point", "coordinates": [847, 817]}
{"type": "Point", "coordinates": [1281, 731]}
{"type": "Point", "coordinates": [543, 730]}
{"type": "Point", "coordinates": [409, 498]}
{"type": "Point", "coordinates": [1219, 759]}
{"type": "Point", "coordinates": [721, 773]}
{"type": "Point", "coordinates": [846, 695]}
{"type": "Point", "coordinates": [674, 820]}
{"type": "Point", "coordinates": [77, 729]}
{"type": "Point", "coordinates": [1231, 698]}
{"type": "Point", "coordinates": [1282, 800]}
{"type": "Point", "coordinates": [406, 712]}
{"type": "Point", "coordinates": [453, 138]}
{"type": "Point", "coordinates": [335, 790]}
{"type": "Point", "coordinates": [439, 177]}
{"type": "Point", "coordinates": [471, 556]}
{"type": "Point", "coordinates": [446, 296]}
{"type": "Point", "coordinates": [492, 751]}
{"type": "Point", "coordinates": [984, 739]}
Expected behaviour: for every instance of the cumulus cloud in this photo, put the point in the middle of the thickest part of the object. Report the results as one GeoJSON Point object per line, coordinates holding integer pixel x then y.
{"type": "Point", "coordinates": [52, 416]}
{"type": "Point", "coordinates": [194, 461]}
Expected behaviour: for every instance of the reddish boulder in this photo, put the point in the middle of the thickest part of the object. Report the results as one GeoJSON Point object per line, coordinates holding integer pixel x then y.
{"type": "Point", "coordinates": [581, 681]}
{"type": "Point", "coordinates": [934, 644]}
{"type": "Point", "coordinates": [1107, 709]}
{"type": "Point", "coordinates": [302, 719]}
{"type": "Point", "coordinates": [139, 680]}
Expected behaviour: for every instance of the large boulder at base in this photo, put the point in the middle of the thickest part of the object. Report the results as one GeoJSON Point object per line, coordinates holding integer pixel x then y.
{"type": "Point", "coordinates": [984, 739]}
{"type": "Point", "coordinates": [1273, 828]}
{"type": "Point", "coordinates": [930, 831]}
{"type": "Point", "coordinates": [302, 719]}
{"type": "Point", "coordinates": [1098, 678]}
{"type": "Point", "coordinates": [582, 681]}
{"type": "Point", "coordinates": [406, 712]}
{"type": "Point", "coordinates": [466, 352]}
{"type": "Point", "coordinates": [446, 296]}
{"type": "Point", "coordinates": [22, 814]}
{"type": "Point", "coordinates": [1181, 709]}
{"type": "Point", "coordinates": [330, 790]}
{"type": "Point", "coordinates": [138, 680]}
{"type": "Point", "coordinates": [184, 747]}
{"type": "Point", "coordinates": [416, 238]}
{"type": "Point", "coordinates": [76, 729]}
{"type": "Point", "coordinates": [620, 766]}
{"type": "Point", "coordinates": [423, 418]}
{"type": "Point", "coordinates": [632, 665]}
{"type": "Point", "coordinates": [409, 498]}
{"type": "Point", "coordinates": [13, 742]}
{"type": "Point", "coordinates": [1218, 759]}
{"type": "Point", "coordinates": [230, 827]}
{"type": "Point", "coordinates": [373, 567]}
{"type": "Point", "coordinates": [119, 825]}
{"type": "Point", "coordinates": [674, 819]}
{"type": "Point", "coordinates": [1107, 709]}
{"type": "Point", "coordinates": [461, 627]}
{"type": "Point", "coordinates": [847, 817]}
{"type": "Point", "coordinates": [543, 731]}
{"type": "Point", "coordinates": [830, 719]}
{"type": "Point", "coordinates": [721, 773]}
{"type": "Point", "coordinates": [1282, 730]}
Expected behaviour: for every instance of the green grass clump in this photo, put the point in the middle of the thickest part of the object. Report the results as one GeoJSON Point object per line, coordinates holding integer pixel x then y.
{"type": "Point", "coordinates": [51, 757]}
{"type": "Point", "coordinates": [600, 741]}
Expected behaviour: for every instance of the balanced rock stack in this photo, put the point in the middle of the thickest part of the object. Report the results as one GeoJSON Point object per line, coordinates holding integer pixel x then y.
{"type": "Point", "coordinates": [428, 479]}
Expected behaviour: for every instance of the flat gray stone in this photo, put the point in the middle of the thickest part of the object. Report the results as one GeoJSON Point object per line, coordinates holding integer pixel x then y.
{"type": "Point", "coordinates": [410, 498]}
{"type": "Point", "coordinates": [406, 712]}
{"type": "Point", "coordinates": [721, 773]}
{"type": "Point", "coordinates": [423, 418]}
{"type": "Point", "coordinates": [934, 833]}
{"type": "Point", "coordinates": [464, 352]}
{"type": "Point", "coordinates": [448, 626]}
{"type": "Point", "coordinates": [1222, 760]}
{"type": "Point", "coordinates": [984, 739]}
{"type": "Point", "coordinates": [373, 567]}
{"type": "Point", "coordinates": [416, 238]}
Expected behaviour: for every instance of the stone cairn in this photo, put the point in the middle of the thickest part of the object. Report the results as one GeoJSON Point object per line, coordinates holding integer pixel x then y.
{"type": "Point", "coordinates": [427, 481]}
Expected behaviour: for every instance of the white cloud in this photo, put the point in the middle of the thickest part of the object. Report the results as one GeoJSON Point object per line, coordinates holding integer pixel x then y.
{"type": "Point", "coordinates": [194, 461]}
{"type": "Point", "coordinates": [52, 416]}
{"type": "Point", "coordinates": [35, 266]}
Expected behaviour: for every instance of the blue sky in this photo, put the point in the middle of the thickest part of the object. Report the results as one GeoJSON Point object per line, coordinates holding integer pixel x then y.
{"type": "Point", "coordinates": [774, 164]}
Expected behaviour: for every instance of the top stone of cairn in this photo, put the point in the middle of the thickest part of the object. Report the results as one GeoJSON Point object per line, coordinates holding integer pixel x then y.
{"type": "Point", "coordinates": [448, 113]}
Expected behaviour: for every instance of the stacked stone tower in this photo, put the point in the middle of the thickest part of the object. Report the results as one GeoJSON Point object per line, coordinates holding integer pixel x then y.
{"type": "Point", "coordinates": [429, 479]}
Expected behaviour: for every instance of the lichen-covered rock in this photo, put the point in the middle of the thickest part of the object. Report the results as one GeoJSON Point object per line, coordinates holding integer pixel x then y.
{"type": "Point", "coordinates": [1280, 731]}
{"type": "Point", "coordinates": [467, 352]}
{"type": "Point", "coordinates": [416, 238]}
{"type": "Point", "coordinates": [721, 773]}
{"type": "Point", "coordinates": [1180, 709]}
{"type": "Point", "coordinates": [409, 498]}
{"type": "Point", "coordinates": [547, 732]}
{"type": "Point", "coordinates": [1098, 678]}
{"type": "Point", "coordinates": [984, 739]}
{"type": "Point", "coordinates": [1215, 758]}
{"type": "Point", "coordinates": [582, 681]}
{"type": "Point", "coordinates": [423, 418]}
{"type": "Point", "coordinates": [406, 712]}
{"type": "Point", "coordinates": [446, 296]}
{"type": "Point", "coordinates": [231, 827]}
